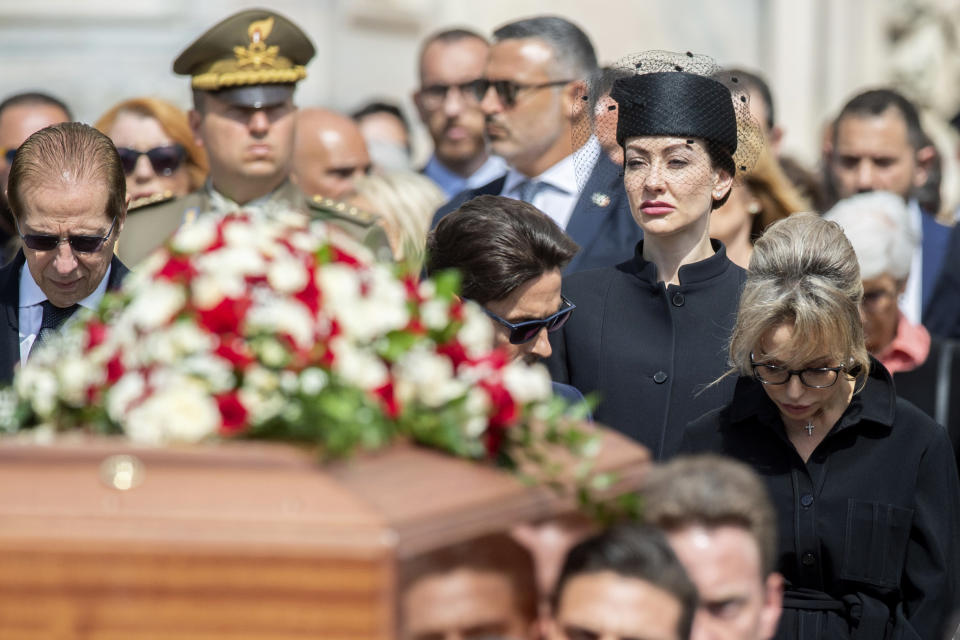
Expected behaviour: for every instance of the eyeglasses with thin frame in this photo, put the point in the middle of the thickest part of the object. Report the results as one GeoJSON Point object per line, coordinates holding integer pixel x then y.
{"type": "Point", "coordinates": [49, 242]}
{"type": "Point", "coordinates": [435, 95]}
{"type": "Point", "coordinates": [164, 160]}
{"type": "Point", "coordinates": [523, 332]}
{"type": "Point", "coordinates": [813, 377]}
{"type": "Point", "coordinates": [507, 90]}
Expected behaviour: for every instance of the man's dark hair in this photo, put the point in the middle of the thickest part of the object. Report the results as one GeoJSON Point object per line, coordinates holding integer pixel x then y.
{"type": "Point", "coordinates": [755, 82]}
{"type": "Point", "coordinates": [68, 149]}
{"type": "Point", "coordinates": [633, 551]}
{"type": "Point", "coordinates": [572, 48]}
{"type": "Point", "coordinates": [35, 98]}
{"type": "Point", "coordinates": [874, 103]}
{"type": "Point", "coordinates": [494, 553]}
{"type": "Point", "coordinates": [497, 244]}
{"type": "Point", "coordinates": [380, 106]}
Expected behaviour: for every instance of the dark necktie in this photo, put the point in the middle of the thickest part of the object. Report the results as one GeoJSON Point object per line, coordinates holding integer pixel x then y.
{"type": "Point", "coordinates": [53, 319]}
{"type": "Point", "coordinates": [529, 189]}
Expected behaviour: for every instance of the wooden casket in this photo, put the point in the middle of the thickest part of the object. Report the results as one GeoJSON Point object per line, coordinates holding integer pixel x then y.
{"type": "Point", "coordinates": [102, 540]}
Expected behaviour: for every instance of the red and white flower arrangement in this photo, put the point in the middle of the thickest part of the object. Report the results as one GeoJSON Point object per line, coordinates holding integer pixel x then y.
{"type": "Point", "coordinates": [286, 329]}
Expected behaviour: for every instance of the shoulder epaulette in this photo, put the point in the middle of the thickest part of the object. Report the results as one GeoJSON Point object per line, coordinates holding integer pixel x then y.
{"type": "Point", "coordinates": [340, 209]}
{"type": "Point", "coordinates": [146, 201]}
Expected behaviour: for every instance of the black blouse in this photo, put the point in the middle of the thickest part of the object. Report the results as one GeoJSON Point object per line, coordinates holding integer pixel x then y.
{"type": "Point", "coordinates": [869, 526]}
{"type": "Point", "coordinates": [650, 351]}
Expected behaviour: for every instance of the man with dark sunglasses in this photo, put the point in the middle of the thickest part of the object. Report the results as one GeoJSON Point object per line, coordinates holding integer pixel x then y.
{"type": "Point", "coordinates": [532, 95]}
{"type": "Point", "coordinates": [67, 193]}
{"type": "Point", "coordinates": [451, 63]}
{"type": "Point", "coordinates": [510, 257]}
{"type": "Point", "coordinates": [244, 71]}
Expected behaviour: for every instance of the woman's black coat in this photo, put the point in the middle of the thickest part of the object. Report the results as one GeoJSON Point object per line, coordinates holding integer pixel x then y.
{"type": "Point", "coordinates": [869, 526]}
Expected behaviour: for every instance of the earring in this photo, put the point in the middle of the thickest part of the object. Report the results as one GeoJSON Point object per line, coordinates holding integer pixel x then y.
{"type": "Point", "coordinates": [753, 208]}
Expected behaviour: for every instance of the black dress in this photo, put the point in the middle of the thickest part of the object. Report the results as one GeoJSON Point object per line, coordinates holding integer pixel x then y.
{"type": "Point", "coordinates": [649, 351]}
{"type": "Point", "coordinates": [869, 526]}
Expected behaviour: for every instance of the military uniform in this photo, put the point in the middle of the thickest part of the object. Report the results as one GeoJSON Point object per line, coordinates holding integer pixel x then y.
{"type": "Point", "coordinates": [252, 59]}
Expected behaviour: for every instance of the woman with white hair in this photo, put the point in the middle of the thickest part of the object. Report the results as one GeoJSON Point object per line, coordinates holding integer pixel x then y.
{"type": "Point", "coordinates": [924, 368]}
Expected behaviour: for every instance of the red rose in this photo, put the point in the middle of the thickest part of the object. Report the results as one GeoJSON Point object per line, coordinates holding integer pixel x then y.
{"type": "Point", "coordinates": [233, 414]}
{"type": "Point", "coordinates": [226, 317]}
{"type": "Point", "coordinates": [115, 369]}
{"type": "Point", "coordinates": [96, 334]}
{"type": "Point", "coordinates": [177, 269]}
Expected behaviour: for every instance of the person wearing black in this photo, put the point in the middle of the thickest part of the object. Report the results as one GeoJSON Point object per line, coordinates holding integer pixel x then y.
{"type": "Point", "coordinates": [864, 483]}
{"type": "Point", "coordinates": [650, 334]}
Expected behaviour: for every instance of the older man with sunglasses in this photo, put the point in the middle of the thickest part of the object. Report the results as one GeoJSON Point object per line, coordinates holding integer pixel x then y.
{"type": "Point", "coordinates": [67, 193]}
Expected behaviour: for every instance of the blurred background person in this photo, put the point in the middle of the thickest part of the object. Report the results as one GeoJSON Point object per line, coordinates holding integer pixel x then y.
{"type": "Point", "coordinates": [762, 196]}
{"type": "Point", "coordinates": [329, 154]}
{"type": "Point", "coordinates": [760, 99]}
{"type": "Point", "coordinates": [405, 202]}
{"type": "Point", "coordinates": [924, 367]}
{"type": "Point", "coordinates": [878, 144]}
{"type": "Point", "coordinates": [869, 549]}
{"type": "Point", "coordinates": [160, 156]}
{"type": "Point", "coordinates": [387, 133]}
{"type": "Point", "coordinates": [479, 589]}
{"type": "Point", "coordinates": [21, 115]}
{"type": "Point", "coordinates": [451, 61]}
{"type": "Point", "coordinates": [603, 111]}
{"type": "Point", "coordinates": [720, 522]}
{"type": "Point", "coordinates": [623, 583]}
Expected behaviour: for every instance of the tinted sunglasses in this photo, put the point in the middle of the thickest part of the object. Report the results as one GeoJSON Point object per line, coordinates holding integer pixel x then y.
{"type": "Point", "coordinates": [164, 160]}
{"type": "Point", "coordinates": [8, 154]}
{"type": "Point", "coordinates": [523, 332]}
{"type": "Point", "coordinates": [48, 242]}
{"type": "Point", "coordinates": [507, 90]}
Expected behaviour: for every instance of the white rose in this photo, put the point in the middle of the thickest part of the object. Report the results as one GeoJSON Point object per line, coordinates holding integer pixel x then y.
{"type": "Point", "coordinates": [196, 236]}
{"type": "Point", "coordinates": [209, 289]}
{"type": "Point", "coordinates": [476, 334]}
{"type": "Point", "coordinates": [156, 304]}
{"type": "Point", "coordinates": [527, 383]}
{"type": "Point", "coordinates": [287, 275]}
{"type": "Point", "coordinates": [215, 373]}
{"type": "Point", "coordinates": [427, 377]}
{"type": "Point", "coordinates": [38, 384]}
{"type": "Point", "coordinates": [313, 381]}
{"type": "Point", "coordinates": [180, 412]}
{"type": "Point", "coordinates": [75, 375]}
{"type": "Point", "coordinates": [284, 315]}
{"type": "Point", "coordinates": [357, 366]}
{"type": "Point", "coordinates": [477, 408]}
{"type": "Point", "coordinates": [435, 314]}
{"type": "Point", "coordinates": [123, 393]}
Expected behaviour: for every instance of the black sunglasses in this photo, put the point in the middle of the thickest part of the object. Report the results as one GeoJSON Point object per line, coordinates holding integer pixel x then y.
{"type": "Point", "coordinates": [8, 154]}
{"type": "Point", "coordinates": [523, 332]}
{"type": "Point", "coordinates": [48, 242]}
{"type": "Point", "coordinates": [507, 90]}
{"type": "Point", "coordinates": [164, 160]}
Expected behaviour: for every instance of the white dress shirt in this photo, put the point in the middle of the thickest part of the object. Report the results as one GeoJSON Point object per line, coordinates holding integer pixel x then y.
{"type": "Point", "coordinates": [911, 302]}
{"type": "Point", "coordinates": [452, 183]}
{"type": "Point", "coordinates": [30, 314]}
{"type": "Point", "coordinates": [557, 197]}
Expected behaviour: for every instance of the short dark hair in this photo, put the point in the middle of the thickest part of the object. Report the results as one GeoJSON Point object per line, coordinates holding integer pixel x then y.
{"type": "Point", "coordinates": [68, 147]}
{"type": "Point", "coordinates": [572, 48]}
{"type": "Point", "coordinates": [495, 553]}
{"type": "Point", "coordinates": [874, 103]}
{"type": "Point", "coordinates": [712, 491]}
{"type": "Point", "coordinates": [753, 81]}
{"type": "Point", "coordinates": [449, 36]}
{"type": "Point", "coordinates": [381, 106]}
{"type": "Point", "coordinates": [497, 244]}
{"type": "Point", "coordinates": [633, 551]}
{"type": "Point", "coordinates": [35, 98]}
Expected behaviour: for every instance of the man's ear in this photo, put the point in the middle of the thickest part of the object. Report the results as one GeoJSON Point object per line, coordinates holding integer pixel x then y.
{"type": "Point", "coordinates": [196, 119]}
{"type": "Point", "coordinates": [415, 96]}
{"type": "Point", "coordinates": [925, 156]}
{"type": "Point", "coordinates": [775, 138]}
{"type": "Point", "coordinates": [573, 100]}
{"type": "Point", "coordinates": [772, 605]}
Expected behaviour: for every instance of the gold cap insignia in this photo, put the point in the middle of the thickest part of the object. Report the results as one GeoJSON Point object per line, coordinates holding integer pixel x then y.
{"type": "Point", "coordinates": [258, 54]}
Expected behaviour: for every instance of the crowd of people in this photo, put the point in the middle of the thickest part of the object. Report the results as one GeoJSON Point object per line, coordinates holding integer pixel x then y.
{"type": "Point", "coordinates": [783, 341]}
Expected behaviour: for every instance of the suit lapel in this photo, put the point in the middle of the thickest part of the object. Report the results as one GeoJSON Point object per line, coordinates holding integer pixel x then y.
{"type": "Point", "coordinates": [599, 198]}
{"type": "Point", "coordinates": [10, 300]}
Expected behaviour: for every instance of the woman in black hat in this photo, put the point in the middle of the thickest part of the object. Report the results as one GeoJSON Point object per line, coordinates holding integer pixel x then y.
{"type": "Point", "coordinates": [650, 334]}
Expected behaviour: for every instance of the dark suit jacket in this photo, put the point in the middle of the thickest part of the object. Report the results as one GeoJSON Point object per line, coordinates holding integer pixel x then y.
{"type": "Point", "coordinates": [601, 222]}
{"type": "Point", "coordinates": [936, 242]}
{"type": "Point", "coordinates": [10, 310]}
{"type": "Point", "coordinates": [941, 315]}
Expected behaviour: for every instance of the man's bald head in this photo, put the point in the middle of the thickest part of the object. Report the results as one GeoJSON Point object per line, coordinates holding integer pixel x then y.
{"type": "Point", "coordinates": [329, 154]}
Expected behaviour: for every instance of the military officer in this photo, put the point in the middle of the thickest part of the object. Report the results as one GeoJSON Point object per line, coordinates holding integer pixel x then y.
{"type": "Point", "coordinates": [243, 73]}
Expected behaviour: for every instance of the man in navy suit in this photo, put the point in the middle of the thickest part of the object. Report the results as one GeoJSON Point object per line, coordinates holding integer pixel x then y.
{"type": "Point", "coordinates": [67, 193]}
{"type": "Point", "coordinates": [510, 257]}
{"type": "Point", "coordinates": [879, 145]}
{"type": "Point", "coordinates": [532, 95]}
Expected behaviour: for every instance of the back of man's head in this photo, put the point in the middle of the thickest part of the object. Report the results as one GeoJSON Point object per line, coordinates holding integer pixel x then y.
{"type": "Point", "coordinates": [710, 490]}
{"type": "Point", "coordinates": [486, 585]}
{"type": "Point", "coordinates": [876, 102]}
{"type": "Point", "coordinates": [574, 55]}
{"type": "Point", "coordinates": [68, 153]}
{"type": "Point", "coordinates": [35, 98]}
{"type": "Point", "coordinates": [615, 560]}
{"type": "Point", "coordinates": [497, 244]}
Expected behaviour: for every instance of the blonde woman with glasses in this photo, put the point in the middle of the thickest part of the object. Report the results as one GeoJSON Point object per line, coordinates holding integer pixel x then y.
{"type": "Point", "coordinates": [864, 483]}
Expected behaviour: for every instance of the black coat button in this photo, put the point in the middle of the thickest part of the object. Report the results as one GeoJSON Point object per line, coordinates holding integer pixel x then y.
{"type": "Point", "coordinates": [806, 500]}
{"type": "Point", "coordinates": [678, 299]}
{"type": "Point", "coordinates": [660, 377]}
{"type": "Point", "coordinates": [808, 559]}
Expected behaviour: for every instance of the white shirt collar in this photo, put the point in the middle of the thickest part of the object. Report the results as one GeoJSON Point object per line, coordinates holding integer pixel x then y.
{"type": "Point", "coordinates": [562, 176]}
{"type": "Point", "coordinates": [31, 294]}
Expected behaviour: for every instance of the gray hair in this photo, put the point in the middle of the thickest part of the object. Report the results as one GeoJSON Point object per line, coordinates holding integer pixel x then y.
{"type": "Point", "coordinates": [878, 226]}
{"type": "Point", "coordinates": [803, 272]}
{"type": "Point", "coordinates": [573, 52]}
